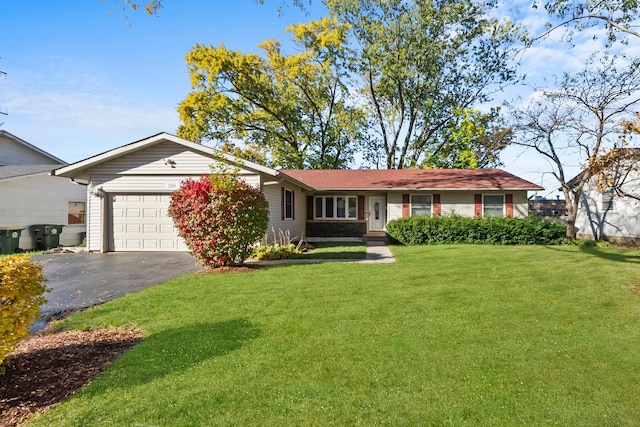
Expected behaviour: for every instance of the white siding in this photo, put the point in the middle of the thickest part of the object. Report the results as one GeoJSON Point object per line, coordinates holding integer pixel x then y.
{"type": "Point", "coordinates": [459, 202]}
{"type": "Point", "coordinates": [520, 204]}
{"type": "Point", "coordinates": [94, 223]}
{"type": "Point", "coordinates": [296, 227]}
{"type": "Point", "coordinates": [166, 158]}
{"type": "Point", "coordinates": [620, 225]}
{"type": "Point", "coordinates": [156, 170]}
{"type": "Point", "coordinates": [40, 199]}
{"type": "Point", "coordinates": [394, 206]}
{"type": "Point", "coordinates": [15, 153]}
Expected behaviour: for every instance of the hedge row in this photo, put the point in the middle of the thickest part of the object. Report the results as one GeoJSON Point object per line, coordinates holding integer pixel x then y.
{"type": "Point", "coordinates": [421, 230]}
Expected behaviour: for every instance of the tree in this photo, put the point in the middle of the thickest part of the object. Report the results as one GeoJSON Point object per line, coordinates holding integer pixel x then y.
{"type": "Point", "coordinates": [617, 16]}
{"type": "Point", "coordinates": [21, 294]}
{"type": "Point", "coordinates": [419, 63]}
{"type": "Point", "coordinates": [220, 218]}
{"type": "Point", "coordinates": [579, 122]}
{"type": "Point", "coordinates": [294, 110]}
{"type": "Point", "coordinates": [471, 139]}
{"type": "Point", "coordinates": [618, 170]}
{"type": "Point", "coordinates": [151, 7]}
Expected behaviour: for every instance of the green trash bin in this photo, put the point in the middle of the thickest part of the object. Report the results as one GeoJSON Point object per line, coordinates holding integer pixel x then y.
{"type": "Point", "coordinates": [9, 239]}
{"type": "Point", "coordinates": [47, 236]}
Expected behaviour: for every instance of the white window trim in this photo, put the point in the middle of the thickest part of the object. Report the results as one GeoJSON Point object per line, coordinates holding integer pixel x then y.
{"type": "Point", "coordinates": [420, 194]}
{"type": "Point", "coordinates": [335, 207]}
{"type": "Point", "coordinates": [504, 204]}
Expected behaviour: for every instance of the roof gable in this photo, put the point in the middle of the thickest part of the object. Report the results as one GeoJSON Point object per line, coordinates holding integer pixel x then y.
{"type": "Point", "coordinates": [79, 169]}
{"type": "Point", "coordinates": [411, 179]}
{"type": "Point", "coordinates": [17, 151]}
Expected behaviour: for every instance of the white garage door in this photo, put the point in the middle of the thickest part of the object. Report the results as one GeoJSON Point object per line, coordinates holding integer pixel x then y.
{"type": "Point", "coordinates": [140, 223]}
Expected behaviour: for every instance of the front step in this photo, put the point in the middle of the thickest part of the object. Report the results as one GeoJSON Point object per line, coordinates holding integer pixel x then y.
{"type": "Point", "coordinates": [375, 239]}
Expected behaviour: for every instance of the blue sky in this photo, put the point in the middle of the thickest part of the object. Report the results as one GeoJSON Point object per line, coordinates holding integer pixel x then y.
{"type": "Point", "coordinates": [81, 81]}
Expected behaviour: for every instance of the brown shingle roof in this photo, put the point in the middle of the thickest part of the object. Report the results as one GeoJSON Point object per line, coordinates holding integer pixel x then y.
{"type": "Point", "coordinates": [413, 179]}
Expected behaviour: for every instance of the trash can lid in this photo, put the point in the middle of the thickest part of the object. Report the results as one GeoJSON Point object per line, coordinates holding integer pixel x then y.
{"type": "Point", "coordinates": [16, 228]}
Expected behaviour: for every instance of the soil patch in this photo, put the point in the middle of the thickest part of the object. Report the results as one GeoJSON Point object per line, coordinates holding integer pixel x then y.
{"type": "Point", "coordinates": [48, 367]}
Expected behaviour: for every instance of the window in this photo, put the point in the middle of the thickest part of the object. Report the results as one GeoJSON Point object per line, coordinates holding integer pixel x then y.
{"type": "Point", "coordinates": [336, 207]}
{"type": "Point", "coordinates": [288, 204]}
{"type": "Point", "coordinates": [75, 213]}
{"type": "Point", "coordinates": [420, 204]}
{"type": "Point", "coordinates": [493, 205]}
{"type": "Point", "coordinates": [607, 200]}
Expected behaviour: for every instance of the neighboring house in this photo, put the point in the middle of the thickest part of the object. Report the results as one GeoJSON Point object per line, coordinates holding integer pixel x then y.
{"type": "Point", "coordinates": [548, 207]}
{"type": "Point", "coordinates": [129, 192]}
{"type": "Point", "coordinates": [612, 215]}
{"type": "Point", "coordinates": [29, 195]}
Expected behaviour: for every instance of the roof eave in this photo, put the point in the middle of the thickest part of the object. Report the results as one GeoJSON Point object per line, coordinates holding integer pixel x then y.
{"type": "Point", "coordinates": [77, 170]}
{"type": "Point", "coordinates": [11, 178]}
{"type": "Point", "coordinates": [426, 189]}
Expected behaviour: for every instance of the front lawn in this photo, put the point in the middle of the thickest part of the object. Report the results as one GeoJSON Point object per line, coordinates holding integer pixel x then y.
{"type": "Point", "coordinates": [447, 335]}
{"type": "Point", "coordinates": [342, 250]}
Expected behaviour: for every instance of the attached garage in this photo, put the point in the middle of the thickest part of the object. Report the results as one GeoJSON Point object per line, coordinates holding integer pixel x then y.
{"type": "Point", "coordinates": [129, 190]}
{"type": "Point", "coordinates": [139, 222]}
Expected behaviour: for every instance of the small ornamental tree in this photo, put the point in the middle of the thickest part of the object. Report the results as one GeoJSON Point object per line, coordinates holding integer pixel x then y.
{"type": "Point", "coordinates": [21, 294]}
{"type": "Point", "coordinates": [220, 218]}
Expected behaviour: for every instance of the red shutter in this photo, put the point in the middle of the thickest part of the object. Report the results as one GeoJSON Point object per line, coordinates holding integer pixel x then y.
{"type": "Point", "coordinates": [437, 211]}
{"type": "Point", "coordinates": [360, 207]}
{"type": "Point", "coordinates": [405, 205]}
{"type": "Point", "coordinates": [282, 203]}
{"type": "Point", "coordinates": [309, 208]}
{"type": "Point", "coordinates": [477, 200]}
{"type": "Point", "coordinates": [508, 200]}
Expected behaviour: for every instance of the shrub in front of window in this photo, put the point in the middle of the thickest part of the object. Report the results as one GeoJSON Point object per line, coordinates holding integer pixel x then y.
{"type": "Point", "coordinates": [21, 294]}
{"type": "Point", "coordinates": [220, 218]}
{"type": "Point", "coordinates": [420, 230]}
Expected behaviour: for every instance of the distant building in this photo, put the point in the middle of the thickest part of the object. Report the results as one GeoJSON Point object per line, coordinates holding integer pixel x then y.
{"type": "Point", "coordinates": [548, 207]}
{"type": "Point", "coordinates": [30, 195]}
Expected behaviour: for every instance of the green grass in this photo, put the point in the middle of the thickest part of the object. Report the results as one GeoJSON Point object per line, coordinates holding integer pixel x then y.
{"type": "Point", "coordinates": [446, 336]}
{"type": "Point", "coordinates": [335, 251]}
{"type": "Point", "coordinates": [28, 253]}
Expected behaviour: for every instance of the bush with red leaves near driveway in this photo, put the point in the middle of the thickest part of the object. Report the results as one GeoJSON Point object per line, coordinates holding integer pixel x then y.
{"type": "Point", "coordinates": [220, 218]}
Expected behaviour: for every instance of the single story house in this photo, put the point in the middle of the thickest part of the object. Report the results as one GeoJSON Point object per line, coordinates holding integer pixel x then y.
{"type": "Point", "coordinates": [612, 215]}
{"type": "Point", "coordinates": [129, 191]}
{"type": "Point", "coordinates": [29, 195]}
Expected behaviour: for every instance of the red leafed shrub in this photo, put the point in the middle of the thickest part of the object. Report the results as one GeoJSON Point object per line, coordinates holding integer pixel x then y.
{"type": "Point", "coordinates": [220, 218]}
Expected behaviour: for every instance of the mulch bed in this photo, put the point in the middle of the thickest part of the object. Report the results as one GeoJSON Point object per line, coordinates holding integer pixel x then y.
{"type": "Point", "coordinates": [50, 366]}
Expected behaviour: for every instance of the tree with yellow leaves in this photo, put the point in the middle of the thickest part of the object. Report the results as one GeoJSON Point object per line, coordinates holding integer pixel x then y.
{"type": "Point", "coordinates": [293, 110]}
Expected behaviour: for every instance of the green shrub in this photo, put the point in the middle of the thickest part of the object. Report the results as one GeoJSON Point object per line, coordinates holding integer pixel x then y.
{"type": "Point", "coordinates": [280, 246]}
{"type": "Point", "coordinates": [420, 230]}
{"type": "Point", "coordinates": [275, 251]}
{"type": "Point", "coordinates": [21, 294]}
{"type": "Point", "coordinates": [587, 243]}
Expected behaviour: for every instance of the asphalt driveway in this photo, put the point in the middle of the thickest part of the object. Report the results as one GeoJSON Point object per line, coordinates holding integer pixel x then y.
{"type": "Point", "coordinates": [85, 279]}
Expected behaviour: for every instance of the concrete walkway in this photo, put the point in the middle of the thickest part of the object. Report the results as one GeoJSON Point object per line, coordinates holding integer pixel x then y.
{"type": "Point", "coordinates": [378, 253]}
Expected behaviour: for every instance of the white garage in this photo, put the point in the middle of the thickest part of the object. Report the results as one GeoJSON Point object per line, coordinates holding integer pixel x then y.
{"type": "Point", "coordinates": [140, 223]}
{"type": "Point", "coordinates": [129, 189]}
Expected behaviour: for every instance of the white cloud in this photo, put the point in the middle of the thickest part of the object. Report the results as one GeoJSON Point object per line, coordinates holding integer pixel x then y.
{"type": "Point", "coordinates": [74, 110]}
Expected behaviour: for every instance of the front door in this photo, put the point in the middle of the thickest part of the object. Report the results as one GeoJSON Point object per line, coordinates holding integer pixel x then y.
{"type": "Point", "coordinates": [377, 213]}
